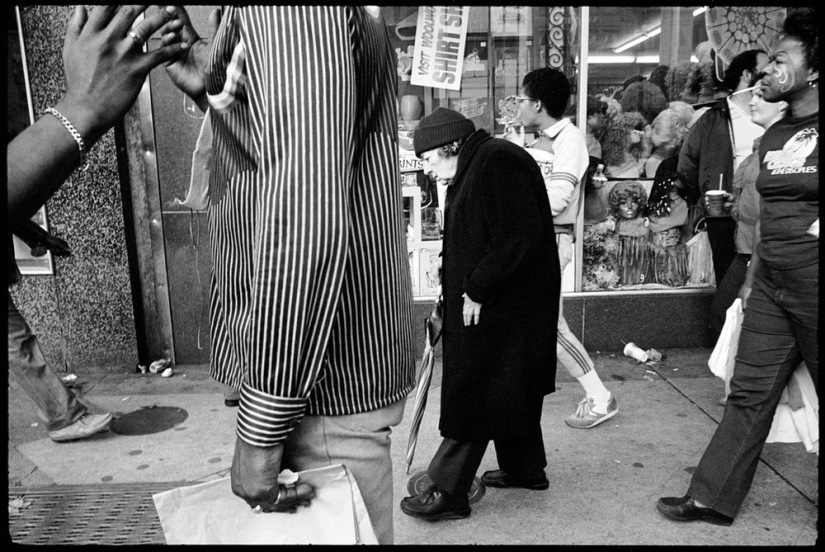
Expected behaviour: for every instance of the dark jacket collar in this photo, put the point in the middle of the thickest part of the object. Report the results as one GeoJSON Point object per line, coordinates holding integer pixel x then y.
{"type": "Point", "coordinates": [469, 149]}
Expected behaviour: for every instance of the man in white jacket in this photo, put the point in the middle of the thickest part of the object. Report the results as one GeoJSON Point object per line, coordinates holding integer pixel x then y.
{"type": "Point", "coordinates": [561, 152]}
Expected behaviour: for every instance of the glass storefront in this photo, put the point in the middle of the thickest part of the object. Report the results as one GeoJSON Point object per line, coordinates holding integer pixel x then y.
{"type": "Point", "coordinates": [634, 72]}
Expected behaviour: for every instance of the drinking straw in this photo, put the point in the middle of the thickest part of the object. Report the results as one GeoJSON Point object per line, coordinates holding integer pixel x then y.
{"type": "Point", "coordinates": [745, 90]}
{"type": "Point", "coordinates": [721, 176]}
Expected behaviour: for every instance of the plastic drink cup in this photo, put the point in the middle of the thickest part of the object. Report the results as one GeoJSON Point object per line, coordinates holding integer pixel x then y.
{"type": "Point", "coordinates": [715, 203]}
{"type": "Point", "coordinates": [633, 351]}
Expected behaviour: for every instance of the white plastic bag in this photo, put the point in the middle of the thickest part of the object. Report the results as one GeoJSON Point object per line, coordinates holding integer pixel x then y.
{"type": "Point", "coordinates": [197, 198]}
{"type": "Point", "coordinates": [723, 357]}
{"type": "Point", "coordinates": [209, 513]}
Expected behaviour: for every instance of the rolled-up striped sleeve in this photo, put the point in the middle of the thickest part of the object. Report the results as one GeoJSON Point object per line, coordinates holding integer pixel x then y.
{"type": "Point", "coordinates": [311, 307]}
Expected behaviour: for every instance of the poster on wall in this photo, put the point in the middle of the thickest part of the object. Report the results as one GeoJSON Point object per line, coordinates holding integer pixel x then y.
{"type": "Point", "coordinates": [440, 39]}
{"type": "Point", "coordinates": [511, 20]}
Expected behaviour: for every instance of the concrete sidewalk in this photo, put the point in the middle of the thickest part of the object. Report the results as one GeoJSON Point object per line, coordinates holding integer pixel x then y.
{"type": "Point", "coordinates": [604, 482]}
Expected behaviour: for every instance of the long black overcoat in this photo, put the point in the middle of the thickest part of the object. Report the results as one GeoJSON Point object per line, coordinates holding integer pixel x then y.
{"type": "Point", "coordinates": [499, 247]}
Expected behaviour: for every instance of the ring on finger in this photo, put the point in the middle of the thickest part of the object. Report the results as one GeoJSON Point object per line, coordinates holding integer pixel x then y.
{"type": "Point", "coordinates": [257, 509]}
{"type": "Point", "coordinates": [136, 38]}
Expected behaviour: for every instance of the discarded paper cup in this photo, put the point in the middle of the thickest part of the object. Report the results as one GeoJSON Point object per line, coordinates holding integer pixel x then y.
{"type": "Point", "coordinates": [715, 203]}
{"type": "Point", "coordinates": [633, 351]}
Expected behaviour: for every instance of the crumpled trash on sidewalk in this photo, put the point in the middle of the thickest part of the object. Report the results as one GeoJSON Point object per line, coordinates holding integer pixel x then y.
{"type": "Point", "coordinates": [636, 352]}
{"type": "Point", "coordinates": [160, 365]}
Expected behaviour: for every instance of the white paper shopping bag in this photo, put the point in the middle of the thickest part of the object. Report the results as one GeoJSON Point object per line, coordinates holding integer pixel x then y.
{"type": "Point", "coordinates": [210, 513]}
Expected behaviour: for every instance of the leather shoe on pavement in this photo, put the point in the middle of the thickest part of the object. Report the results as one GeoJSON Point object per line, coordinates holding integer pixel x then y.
{"type": "Point", "coordinates": [503, 480]}
{"type": "Point", "coordinates": [85, 426]}
{"type": "Point", "coordinates": [232, 399]}
{"type": "Point", "coordinates": [685, 509]}
{"type": "Point", "coordinates": [434, 505]}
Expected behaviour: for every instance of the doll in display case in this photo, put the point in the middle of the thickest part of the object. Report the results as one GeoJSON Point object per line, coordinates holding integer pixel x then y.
{"type": "Point", "coordinates": [627, 200]}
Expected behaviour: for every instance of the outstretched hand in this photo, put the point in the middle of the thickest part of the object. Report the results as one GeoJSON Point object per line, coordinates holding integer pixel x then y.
{"type": "Point", "coordinates": [188, 71]}
{"type": "Point", "coordinates": [105, 64]}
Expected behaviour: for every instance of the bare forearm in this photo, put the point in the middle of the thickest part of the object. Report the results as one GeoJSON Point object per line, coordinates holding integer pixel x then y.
{"type": "Point", "coordinates": [40, 158]}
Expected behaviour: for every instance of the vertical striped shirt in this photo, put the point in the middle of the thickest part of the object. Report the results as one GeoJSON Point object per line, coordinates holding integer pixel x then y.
{"type": "Point", "coordinates": [311, 304]}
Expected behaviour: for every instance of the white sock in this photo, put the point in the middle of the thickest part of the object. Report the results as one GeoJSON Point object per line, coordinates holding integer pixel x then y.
{"type": "Point", "coordinates": [595, 389]}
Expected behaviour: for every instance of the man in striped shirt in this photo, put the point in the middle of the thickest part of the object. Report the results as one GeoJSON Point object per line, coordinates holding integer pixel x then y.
{"type": "Point", "coordinates": [311, 303]}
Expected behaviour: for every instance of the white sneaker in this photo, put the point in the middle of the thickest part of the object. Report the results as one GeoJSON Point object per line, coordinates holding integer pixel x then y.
{"type": "Point", "coordinates": [87, 425]}
{"type": "Point", "coordinates": [585, 417]}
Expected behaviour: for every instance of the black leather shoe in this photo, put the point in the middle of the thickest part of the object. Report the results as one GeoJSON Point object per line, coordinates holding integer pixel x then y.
{"type": "Point", "coordinates": [503, 480]}
{"type": "Point", "coordinates": [232, 399]}
{"type": "Point", "coordinates": [685, 509]}
{"type": "Point", "coordinates": [434, 505]}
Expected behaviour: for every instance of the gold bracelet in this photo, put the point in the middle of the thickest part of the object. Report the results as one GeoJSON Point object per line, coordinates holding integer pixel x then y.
{"type": "Point", "coordinates": [72, 130]}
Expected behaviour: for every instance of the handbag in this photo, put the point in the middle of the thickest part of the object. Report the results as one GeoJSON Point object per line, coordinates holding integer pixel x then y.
{"type": "Point", "coordinates": [723, 357]}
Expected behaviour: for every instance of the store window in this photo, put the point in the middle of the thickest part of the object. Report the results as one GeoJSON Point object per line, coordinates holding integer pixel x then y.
{"type": "Point", "coordinates": [651, 72]}
{"type": "Point", "coordinates": [627, 66]}
{"type": "Point", "coordinates": [493, 49]}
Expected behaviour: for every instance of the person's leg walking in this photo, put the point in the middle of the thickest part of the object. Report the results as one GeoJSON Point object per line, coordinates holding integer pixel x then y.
{"type": "Point", "coordinates": [571, 354]}
{"type": "Point", "coordinates": [779, 330]}
{"type": "Point", "coordinates": [57, 406]}
{"type": "Point", "coordinates": [362, 443]}
{"type": "Point", "coordinates": [455, 464]}
{"type": "Point", "coordinates": [523, 458]}
{"type": "Point", "coordinates": [722, 240]}
{"type": "Point", "coordinates": [726, 292]}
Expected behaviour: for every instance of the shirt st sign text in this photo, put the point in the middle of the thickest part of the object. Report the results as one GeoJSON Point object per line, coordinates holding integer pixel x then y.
{"type": "Point", "coordinates": [439, 46]}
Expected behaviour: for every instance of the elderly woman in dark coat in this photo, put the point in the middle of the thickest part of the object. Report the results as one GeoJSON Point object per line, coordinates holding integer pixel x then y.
{"type": "Point", "coordinates": [501, 285]}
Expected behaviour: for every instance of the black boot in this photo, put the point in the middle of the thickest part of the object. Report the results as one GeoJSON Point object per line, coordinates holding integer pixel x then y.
{"type": "Point", "coordinates": [434, 505]}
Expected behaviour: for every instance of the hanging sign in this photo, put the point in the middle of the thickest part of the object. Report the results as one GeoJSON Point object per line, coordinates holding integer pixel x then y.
{"type": "Point", "coordinates": [439, 46]}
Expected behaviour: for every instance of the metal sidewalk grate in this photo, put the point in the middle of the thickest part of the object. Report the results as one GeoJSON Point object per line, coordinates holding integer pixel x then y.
{"type": "Point", "coordinates": [88, 514]}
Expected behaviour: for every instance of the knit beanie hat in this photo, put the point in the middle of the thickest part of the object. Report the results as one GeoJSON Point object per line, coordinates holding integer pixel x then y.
{"type": "Point", "coordinates": [441, 127]}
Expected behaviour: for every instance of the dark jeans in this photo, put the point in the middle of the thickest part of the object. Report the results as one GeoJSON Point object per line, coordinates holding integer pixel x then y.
{"type": "Point", "coordinates": [57, 406]}
{"type": "Point", "coordinates": [779, 331]}
{"type": "Point", "coordinates": [455, 462]}
{"type": "Point", "coordinates": [727, 291]}
{"type": "Point", "coordinates": [722, 239]}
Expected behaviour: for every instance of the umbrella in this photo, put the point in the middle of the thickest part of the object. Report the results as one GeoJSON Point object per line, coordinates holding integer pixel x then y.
{"type": "Point", "coordinates": [432, 331]}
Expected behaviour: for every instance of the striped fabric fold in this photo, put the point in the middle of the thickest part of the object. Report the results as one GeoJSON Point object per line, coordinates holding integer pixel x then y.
{"type": "Point", "coordinates": [311, 309]}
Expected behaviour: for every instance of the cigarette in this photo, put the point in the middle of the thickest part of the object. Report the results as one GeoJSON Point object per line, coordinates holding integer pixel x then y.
{"type": "Point", "coordinates": [745, 90]}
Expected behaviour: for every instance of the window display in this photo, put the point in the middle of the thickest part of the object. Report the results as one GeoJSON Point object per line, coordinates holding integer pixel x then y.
{"type": "Point", "coordinates": [649, 74]}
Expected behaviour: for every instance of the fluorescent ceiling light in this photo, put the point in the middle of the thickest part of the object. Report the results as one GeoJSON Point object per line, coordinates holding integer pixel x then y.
{"type": "Point", "coordinates": [647, 59]}
{"type": "Point", "coordinates": [650, 34]}
{"type": "Point", "coordinates": [638, 40]}
{"type": "Point", "coordinates": [611, 59]}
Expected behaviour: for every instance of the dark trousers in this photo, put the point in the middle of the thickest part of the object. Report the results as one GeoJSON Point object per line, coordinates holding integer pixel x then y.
{"type": "Point", "coordinates": [779, 331]}
{"type": "Point", "coordinates": [455, 462]}
{"type": "Point", "coordinates": [722, 239]}
{"type": "Point", "coordinates": [727, 291]}
{"type": "Point", "coordinates": [57, 406]}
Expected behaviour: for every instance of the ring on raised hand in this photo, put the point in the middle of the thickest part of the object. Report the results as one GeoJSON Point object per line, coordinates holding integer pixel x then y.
{"type": "Point", "coordinates": [137, 38]}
